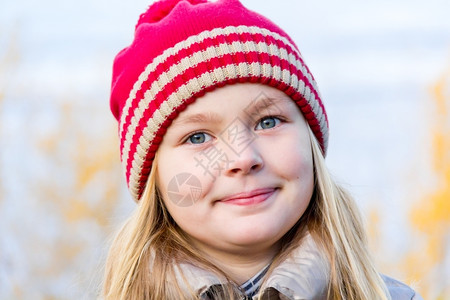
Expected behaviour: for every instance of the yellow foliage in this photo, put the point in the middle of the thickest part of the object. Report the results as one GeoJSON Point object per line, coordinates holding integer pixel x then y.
{"type": "Point", "coordinates": [8, 63]}
{"type": "Point", "coordinates": [87, 163]}
{"type": "Point", "coordinates": [431, 215]}
{"type": "Point", "coordinates": [78, 211]}
{"type": "Point", "coordinates": [373, 225]}
{"type": "Point", "coordinates": [88, 197]}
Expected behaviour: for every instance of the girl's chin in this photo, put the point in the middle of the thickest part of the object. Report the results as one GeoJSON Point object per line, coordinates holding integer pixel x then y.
{"type": "Point", "coordinates": [254, 241]}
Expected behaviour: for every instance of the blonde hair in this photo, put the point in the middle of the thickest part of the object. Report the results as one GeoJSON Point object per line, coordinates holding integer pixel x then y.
{"type": "Point", "coordinates": [142, 262]}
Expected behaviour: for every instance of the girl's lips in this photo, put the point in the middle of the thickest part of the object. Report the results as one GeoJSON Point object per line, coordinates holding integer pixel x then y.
{"type": "Point", "coordinates": [249, 198]}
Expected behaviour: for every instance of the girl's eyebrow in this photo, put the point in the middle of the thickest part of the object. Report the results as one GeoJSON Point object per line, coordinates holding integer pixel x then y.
{"type": "Point", "coordinates": [255, 107]}
{"type": "Point", "coordinates": [264, 103]}
{"type": "Point", "coordinates": [198, 118]}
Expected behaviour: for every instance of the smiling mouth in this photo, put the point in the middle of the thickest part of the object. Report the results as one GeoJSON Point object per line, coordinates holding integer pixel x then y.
{"type": "Point", "coordinates": [249, 198]}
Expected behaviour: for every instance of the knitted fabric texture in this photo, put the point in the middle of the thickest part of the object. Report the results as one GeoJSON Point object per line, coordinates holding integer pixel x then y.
{"type": "Point", "coordinates": [183, 49]}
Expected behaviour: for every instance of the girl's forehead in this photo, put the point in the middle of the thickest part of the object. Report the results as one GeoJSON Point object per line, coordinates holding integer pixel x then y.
{"type": "Point", "coordinates": [245, 97]}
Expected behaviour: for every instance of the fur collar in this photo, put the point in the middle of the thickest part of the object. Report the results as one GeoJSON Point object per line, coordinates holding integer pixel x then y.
{"type": "Point", "coordinates": [303, 275]}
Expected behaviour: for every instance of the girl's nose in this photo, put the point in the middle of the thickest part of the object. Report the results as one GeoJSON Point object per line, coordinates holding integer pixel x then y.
{"type": "Point", "coordinates": [246, 161]}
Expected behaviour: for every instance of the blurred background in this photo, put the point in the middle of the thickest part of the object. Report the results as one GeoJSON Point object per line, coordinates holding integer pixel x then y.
{"type": "Point", "coordinates": [383, 68]}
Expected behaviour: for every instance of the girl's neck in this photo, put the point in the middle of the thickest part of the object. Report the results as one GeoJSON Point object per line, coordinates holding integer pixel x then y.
{"type": "Point", "coordinates": [240, 272]}
{"type": "Point", "coordinates": [241, 266]}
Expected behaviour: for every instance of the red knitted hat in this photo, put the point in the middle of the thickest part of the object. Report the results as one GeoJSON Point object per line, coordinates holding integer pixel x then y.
{"type": "Point", "coordinates": [185, 48]}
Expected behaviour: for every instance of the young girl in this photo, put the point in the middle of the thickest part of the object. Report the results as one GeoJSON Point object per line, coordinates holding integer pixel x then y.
{"type": "Point", "coordinates": [223, 135]}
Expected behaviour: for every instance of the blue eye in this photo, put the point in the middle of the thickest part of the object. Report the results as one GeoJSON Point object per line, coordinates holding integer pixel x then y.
{"type": "Point", "coordinates": [198, 138]}
{"type": "Point", "coordinates": [268, 122]}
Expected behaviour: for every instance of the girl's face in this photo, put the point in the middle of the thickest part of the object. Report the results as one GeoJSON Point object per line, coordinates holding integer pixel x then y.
{"type": "Point", "coordinates": [235, 168]}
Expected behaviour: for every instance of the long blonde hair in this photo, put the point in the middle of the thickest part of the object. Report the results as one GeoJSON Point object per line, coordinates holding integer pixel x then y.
{"type": "Point", "coordinates": [143, 257]}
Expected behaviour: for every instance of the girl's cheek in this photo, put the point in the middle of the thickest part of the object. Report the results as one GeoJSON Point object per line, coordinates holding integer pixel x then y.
{"type": "Point", "coordinates": [182, 179]}
{"type": "Point", "coordinates": [291, 153]}
{"type": "Point", "coordinates": [184, 190]}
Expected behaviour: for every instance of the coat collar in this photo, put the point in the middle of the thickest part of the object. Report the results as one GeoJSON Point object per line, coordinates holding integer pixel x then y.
{"type": "Point", "coordinates": [303, 275]}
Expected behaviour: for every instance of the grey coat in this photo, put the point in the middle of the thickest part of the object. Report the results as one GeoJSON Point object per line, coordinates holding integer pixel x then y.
{"type": "Point", "coordinates": [302, 276]}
